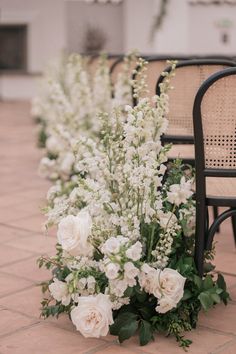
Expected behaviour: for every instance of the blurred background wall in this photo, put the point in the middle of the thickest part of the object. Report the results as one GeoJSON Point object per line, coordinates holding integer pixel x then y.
{"type": "Point", "coordinates": [46, 28]}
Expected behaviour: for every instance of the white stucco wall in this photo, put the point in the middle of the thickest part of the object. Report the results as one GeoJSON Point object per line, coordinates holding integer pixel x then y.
{"type": "Point", "coordinates": [186, 29]}
{"type": "Point", "coordinates": [46, 32]}
{"type": "Point", "coordinates": [108, 18]}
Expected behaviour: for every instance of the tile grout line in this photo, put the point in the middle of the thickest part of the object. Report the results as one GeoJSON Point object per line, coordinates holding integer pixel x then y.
{"type": "Point", "coordinates": [223, 346]}
{"type": "Point", "coordinates": [17, 291]}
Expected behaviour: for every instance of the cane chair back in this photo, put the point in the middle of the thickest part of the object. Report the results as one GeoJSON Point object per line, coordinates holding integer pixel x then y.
{"type": "Point", "coordinates": [214, 121]}
{"type": "Point", "coordinates": [189, 76]}
{"type": "Point", "coordinates": [218, 111]}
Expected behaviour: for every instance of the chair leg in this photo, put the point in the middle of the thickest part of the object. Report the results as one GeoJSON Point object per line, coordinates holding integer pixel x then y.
{"type": "Point", "coordinates": [233, 219]}
{"type": "Point", "coordinates": [215, 215]}
{"type": "Point", "coordinates": [200, 236]}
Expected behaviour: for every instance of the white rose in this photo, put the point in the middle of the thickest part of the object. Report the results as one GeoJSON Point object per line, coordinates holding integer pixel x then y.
{"type": "Point", "coordinates": [53, 145]}
{"type": "Point", "coordinates": [112, 270]}
{"type": "Point", "coordinates": [73, 232]}
{"type": "Point", "coordinates": [165, 304]}
{"type": "Point", "coordinates": [93, 315]}
{"type": "Point", "coordinates": [179, 193]}
{"type": "Point", "coordinates": [135, 251]}
{"type": "Point", "coordinates": [171, 284]}
{"type": "Point", "coordinates": [59, 291]}
{"type": "Point", "coordinates": [112, 245]}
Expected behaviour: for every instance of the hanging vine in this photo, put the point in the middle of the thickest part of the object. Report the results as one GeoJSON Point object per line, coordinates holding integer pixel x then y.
{"type": "Point", "coordinates": [159, 18]}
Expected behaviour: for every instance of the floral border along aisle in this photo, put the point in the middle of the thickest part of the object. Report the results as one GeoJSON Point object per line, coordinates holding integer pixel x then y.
{"type": "Point", "coordinates": [124, 261]}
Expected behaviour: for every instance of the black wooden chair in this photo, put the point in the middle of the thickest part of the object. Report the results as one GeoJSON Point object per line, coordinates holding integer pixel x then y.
{"type": "Point", "coordinates": [189, 75]}
{"type": "Point", "coordinates": [214, 118]}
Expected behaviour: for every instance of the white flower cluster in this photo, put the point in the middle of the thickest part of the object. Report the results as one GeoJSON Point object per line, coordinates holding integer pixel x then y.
{"type": "Point", "coordinates": [119, 219]}
{"type": "Point", "coordinates": [69, 106]}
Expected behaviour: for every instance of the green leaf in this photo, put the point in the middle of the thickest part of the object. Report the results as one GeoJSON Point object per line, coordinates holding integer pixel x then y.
{"type": "Point", "coordinates": [208, 283]}
{"type": "Point", "coordinates": [146, 312]}
{"type": "Point", "coordinates": [187, 294]}
{"type": "Point", "coordinates": [221, 282]}
{"type": "Point", "coordinates": [208, 267]}
{"type": "Point", "coordinates": [197, 281]}
{"type": "Point", "coordinates": [145, 332]}
{"type": "Point", "coordinates": [128, 330]}
{"type": "Point", "coordinates": [140, 295]}
{"type": "Point", "coordinates": [216, 298]}
{"type": "Point", "coordinates": [121, 321]}
{"type": "Point", "coordinates": [206, 300]}
{"type": "Point", "coordinates": [129, 292]}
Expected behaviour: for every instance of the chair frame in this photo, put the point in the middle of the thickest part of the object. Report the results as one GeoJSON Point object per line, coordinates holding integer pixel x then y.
{"type": "Point", "coordinates": [205, 234]}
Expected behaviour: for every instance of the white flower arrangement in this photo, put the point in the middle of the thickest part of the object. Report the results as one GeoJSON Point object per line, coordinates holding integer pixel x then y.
{"type": "Point", "coordinates": [124, 260]}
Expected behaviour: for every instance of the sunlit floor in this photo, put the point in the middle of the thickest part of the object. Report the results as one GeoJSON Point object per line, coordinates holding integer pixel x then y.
{"type": "Point", "coordinates": [22, 193]}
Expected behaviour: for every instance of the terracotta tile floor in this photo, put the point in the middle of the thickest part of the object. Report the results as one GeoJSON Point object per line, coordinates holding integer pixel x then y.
{"type": "Point", "coordinates": [21, 241]}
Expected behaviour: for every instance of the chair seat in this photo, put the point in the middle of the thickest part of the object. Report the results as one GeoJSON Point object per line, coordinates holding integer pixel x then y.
{"type": "Point", "coordinates": [221, 191]}
{"type": "Point", "coordinates": [182, 151]}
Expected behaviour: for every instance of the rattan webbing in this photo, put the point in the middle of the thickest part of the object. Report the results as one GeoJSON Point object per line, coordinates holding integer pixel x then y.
{"type": "Point", "coordinates": [186, 83]}
{"type": "Point", "coordinates": [154, 70]}
{"type": "Point", "coordinates": [218, 111]}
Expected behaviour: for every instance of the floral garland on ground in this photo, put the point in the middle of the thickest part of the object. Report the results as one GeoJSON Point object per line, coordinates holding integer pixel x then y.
{"type": "Point", "coordinates": [124, 261]}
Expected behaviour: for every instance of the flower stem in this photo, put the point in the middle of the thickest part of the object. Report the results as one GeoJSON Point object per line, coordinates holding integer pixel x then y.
{"type": "Point", "coordinates": [149, 255]}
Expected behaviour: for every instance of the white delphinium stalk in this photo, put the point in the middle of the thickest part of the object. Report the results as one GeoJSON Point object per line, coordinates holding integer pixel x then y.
{"type": "Point", "coordinates": [123, 83]}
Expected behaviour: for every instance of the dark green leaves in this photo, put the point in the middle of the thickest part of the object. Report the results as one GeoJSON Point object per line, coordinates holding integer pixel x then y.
{"type": "Point", "coordinates": [206, 300]}
{"type": "Point", "coordinates": [145, 332]}
{"type": "Point", "coordinates": [125, 326]}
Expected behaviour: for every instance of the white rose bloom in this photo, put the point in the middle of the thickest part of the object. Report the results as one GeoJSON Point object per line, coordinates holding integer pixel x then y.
{"type": "Point", "coordinates": [112, 245]}
{"type": "Point", "coordinates": [165, 304]}
{"type": "Point", "coordinates": [135, 251]}
{"type": "Point", "coordinates": [179, 193]}
{"type": "Point", "coordinates": [53, 145]}
{"type": "Point", "coordinates": [171, 284]}
{"type": "Point", "coordinates": [73, 232]}
{"type": "Point", "coordinates": [59, 291]}
{"type": "Point", "coordinates": [93, 315]}
{"type": "Point", "coordinates": [112, 270]}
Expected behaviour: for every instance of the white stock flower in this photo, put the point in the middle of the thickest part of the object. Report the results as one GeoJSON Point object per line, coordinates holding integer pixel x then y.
{"type": "Point", "coordinates": [130, 270]}
{"type": "Point", "coordinates": [179, 193]}
{"type": "Point", "coordinates": [118, 287]}
{"type": "Point", "coordinates": [66, 164]}
{"type": "Point", "coordinates": [135, 251]}
{"type": "Point", "coordinates": [112, 245]}
{"type": "Point", "coordinates": [93, 315]}
{"type": "Point", "coordinates": [167, 219]}
{"type": "Point", "coordinates": [53, 145]}
{"type": "Point", "coordinates": [59, 291]}
{"type": "Point", "coordinates": [112, 270]}
{"type": "Point", "coordinates": [73, 232]}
